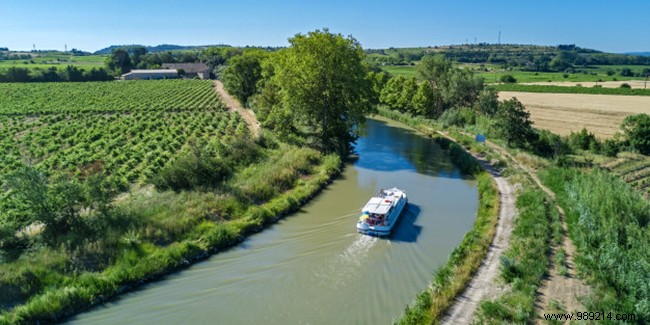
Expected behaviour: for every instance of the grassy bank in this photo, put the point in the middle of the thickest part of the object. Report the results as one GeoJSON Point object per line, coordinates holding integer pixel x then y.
{"type": "Point", "coordinates": [152, 233]}
{"type": "Point", "coordinates": [450, 279]}
{"type": "Point", "coordinates": [608, 222]}
{"type": "Point", "coordinates": [572, 90]}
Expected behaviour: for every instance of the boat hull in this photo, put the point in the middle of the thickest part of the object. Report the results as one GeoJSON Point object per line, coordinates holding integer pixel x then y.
{"type": "Point", "coordinates": [393, 217]}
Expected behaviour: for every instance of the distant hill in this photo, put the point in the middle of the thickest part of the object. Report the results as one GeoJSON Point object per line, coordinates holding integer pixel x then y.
{"type": "Point", "coordinates": [530, 57]}
{"type": "Point", "coordinates": [154, 49]}
{"type": "Point", "coordinates": [638, 53]}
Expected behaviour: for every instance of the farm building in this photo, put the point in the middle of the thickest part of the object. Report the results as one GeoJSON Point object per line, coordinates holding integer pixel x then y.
{"type": "Point", "coordinates": [150, 74]}
{"type": "Point", "coordinates": [200, 70]}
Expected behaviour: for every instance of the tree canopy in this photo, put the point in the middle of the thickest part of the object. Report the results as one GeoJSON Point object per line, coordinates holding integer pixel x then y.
{"type": "Point", "coordinates": [514, 123]}
{"type": "Point", "coordinates": [637, 130]}
{"type": "Point", "coordinates": [322, 84]}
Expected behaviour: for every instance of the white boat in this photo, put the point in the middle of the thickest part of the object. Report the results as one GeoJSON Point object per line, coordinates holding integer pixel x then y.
{"type": "Point", "coordinates": [380, 214]}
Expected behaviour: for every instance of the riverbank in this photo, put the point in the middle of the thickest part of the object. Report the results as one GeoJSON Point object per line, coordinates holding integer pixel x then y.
{"type": "Point", "coordinates": [170, 231]}
{"type": "Point", "coordinates": [494, 216]}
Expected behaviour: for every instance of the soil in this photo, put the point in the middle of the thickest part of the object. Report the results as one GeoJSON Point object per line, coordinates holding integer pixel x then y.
{"type": "Point", "coordinates": [234, 106]}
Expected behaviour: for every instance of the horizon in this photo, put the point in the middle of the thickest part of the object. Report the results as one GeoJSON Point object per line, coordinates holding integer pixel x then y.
{"type": "Point", "coordinates": [376, 25]}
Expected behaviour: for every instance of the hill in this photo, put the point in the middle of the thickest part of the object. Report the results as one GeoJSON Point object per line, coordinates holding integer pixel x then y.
{"type": "Point", "coordinates": [157, 48]}
{"type": "Point", "coordinates": [530, 57]}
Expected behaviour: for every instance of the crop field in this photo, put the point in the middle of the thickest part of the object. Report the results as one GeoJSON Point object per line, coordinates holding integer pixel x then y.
{"type": "Point", "coordinates": [634, 169]}
{"type": "Point", "coordinates": [44, 61]}
{"type": "Point", "coordinates": [566, 88]}
{"type": "Point", "coordinates": [131, 129]}
{"type": "Point", "coordinates": [563, 113]}
{"type": "Point", "coordinates": [594, 75]}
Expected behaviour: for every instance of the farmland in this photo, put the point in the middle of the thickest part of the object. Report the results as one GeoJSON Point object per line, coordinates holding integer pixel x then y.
{"type": "Point", "coordinates": [92, 152]}
{"type": "Point", "coordinates": [56, 59]}
{"type": "Point", "coordinates": [121, 125]}
{"type": "Point", "coordinates": [494, 73]}
{"type": "Point", "coordinates": [563, 113]}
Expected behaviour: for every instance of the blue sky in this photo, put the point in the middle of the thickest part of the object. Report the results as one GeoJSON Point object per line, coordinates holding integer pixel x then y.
{"type": "Point", "coordinates": [614, 26]}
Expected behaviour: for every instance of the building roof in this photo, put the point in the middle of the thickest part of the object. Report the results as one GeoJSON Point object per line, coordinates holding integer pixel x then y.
{"type": "Point", "coordinates": [151, 71]}
{"type": "Point", "coordinates": [187, 67]}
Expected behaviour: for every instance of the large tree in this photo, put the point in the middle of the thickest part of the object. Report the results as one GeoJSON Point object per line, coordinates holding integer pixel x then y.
{"type": "Point", "coordinates": [242, 74]}
{"type": "Point", "coordinates": [119, 61]}
{"type": "Point", "coordinates": [323, 83]}
{"type": "Point", "coordinates": [514, 122]}
{"type": "Point", "coordinates": [637, 130]}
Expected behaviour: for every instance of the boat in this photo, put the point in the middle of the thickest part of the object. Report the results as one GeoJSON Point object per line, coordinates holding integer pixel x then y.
{"type": "Point", "coordinates": [379, 216]}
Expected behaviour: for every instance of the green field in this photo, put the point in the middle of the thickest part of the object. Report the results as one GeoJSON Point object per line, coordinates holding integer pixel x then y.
{"type": "Point", "coordinates": [529, 76]}
{"type": "Point", "coordinates": [127, 96]}
{"type": "Point", "coordinates": [401, 70]}
{"type": "Point", "coordinates": [132, 128]}
{"type": "Point", "coordinates": [572, 90]}
{"type": "Point", "coordinates": [59, 60]}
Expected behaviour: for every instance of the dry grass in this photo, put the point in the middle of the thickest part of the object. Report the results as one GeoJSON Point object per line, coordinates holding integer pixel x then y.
{"type": "Point", "coordinates": [563, 113]}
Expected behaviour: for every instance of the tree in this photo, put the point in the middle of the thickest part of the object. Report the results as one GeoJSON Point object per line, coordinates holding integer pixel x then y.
{"type": "Point", "coordinates": [488, 102]}
{"type": "Point", "coordinates": [626, 72]}
{"type": "Point", "coordinates": [119, 61]}
{"type": "Point", "coordinates": [637, 130]}
{"type": "Point", "coordinates": [392, 91]}
{"type": "Point", "coordinates": [242, 74]}
{"type": "Point", "coordinates": [424, 101]}
{"type": "Point", "coordinates": [323, 82]}
{"type": "Point", "coordinates": [514, 123]}
{"type": "Point", "coordinates": [435, 70]}
{"type": "Point", "coordinates": [137, 53]}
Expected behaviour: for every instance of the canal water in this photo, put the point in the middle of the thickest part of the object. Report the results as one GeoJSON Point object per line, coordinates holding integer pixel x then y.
{"type": "Point", "coordinates": [312, 267]}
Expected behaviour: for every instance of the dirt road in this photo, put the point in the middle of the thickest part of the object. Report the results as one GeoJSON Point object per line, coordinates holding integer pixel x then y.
{"type": "Point", "coordinates": [484, 284]}
{"type": "Point", "coordinates": [234, 105]}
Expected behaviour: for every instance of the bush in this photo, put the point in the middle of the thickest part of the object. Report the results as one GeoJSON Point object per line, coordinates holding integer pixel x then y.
{"type": "Point", "coordinates": [196, 167]}
{"type": "Point", "coordinates": [625, 85]}
{"type": "Point", "coordinates": [508, 79]}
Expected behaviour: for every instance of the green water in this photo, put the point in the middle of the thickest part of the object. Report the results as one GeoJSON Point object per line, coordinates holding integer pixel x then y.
{"type": "Point", "coordinates": [312, 267]}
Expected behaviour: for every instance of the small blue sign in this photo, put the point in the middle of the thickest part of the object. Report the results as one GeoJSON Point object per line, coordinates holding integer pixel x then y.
{"type": "Point", "coordinates": [480, 138]}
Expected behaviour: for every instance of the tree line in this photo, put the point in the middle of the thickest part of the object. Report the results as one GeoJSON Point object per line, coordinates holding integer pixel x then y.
{"type": "Point", "coordinates": [53, 74]}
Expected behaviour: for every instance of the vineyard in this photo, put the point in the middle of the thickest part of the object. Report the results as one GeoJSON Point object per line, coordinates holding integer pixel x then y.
{"type": "Point", "coordinates": [634, 169]}
{"type": "Point", "coordinates": [101, 97]}
{"type": "Point", "coordinates": [130, 129]}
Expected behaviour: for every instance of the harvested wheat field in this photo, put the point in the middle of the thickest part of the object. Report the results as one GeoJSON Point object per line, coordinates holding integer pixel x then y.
{"type": "Point", "coordinates": [563, 113]}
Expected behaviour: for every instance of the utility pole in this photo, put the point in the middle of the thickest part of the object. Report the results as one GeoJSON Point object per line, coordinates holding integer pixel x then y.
{"type": "Point", "coordinates": [499, 37]}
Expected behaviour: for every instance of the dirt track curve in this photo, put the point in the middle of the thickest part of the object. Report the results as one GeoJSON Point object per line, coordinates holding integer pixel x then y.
{"type": "Point", "coordinates": [484, 283]}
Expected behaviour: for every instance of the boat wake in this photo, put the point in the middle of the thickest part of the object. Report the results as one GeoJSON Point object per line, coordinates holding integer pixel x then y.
{"type": "Point", "coordinates": [345, 265]}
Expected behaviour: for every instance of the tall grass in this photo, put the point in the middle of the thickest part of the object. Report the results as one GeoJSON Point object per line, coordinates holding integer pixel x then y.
{"type": "Point", "coordinates": [608, 222]}
{"type": "Point", "coordinates": [169, 231]}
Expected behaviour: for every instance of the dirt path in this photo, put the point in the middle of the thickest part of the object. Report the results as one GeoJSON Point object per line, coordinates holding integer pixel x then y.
{"type": "Point", "coordinates": [484, 284]}
{"type": "Point", "coordinates": [233, 105]}
{"type": "Point", "coordinates": [563, 289]}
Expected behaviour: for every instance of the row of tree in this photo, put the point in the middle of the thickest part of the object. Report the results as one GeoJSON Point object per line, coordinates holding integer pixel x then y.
{"type": "Point", "coordinates": [52, 74]}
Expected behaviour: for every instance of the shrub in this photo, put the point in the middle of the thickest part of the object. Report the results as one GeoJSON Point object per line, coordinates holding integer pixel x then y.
{"type": "Point", "coordinates": [625, 85]}
{"type": "Point", "coordinates": [508, 79]}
